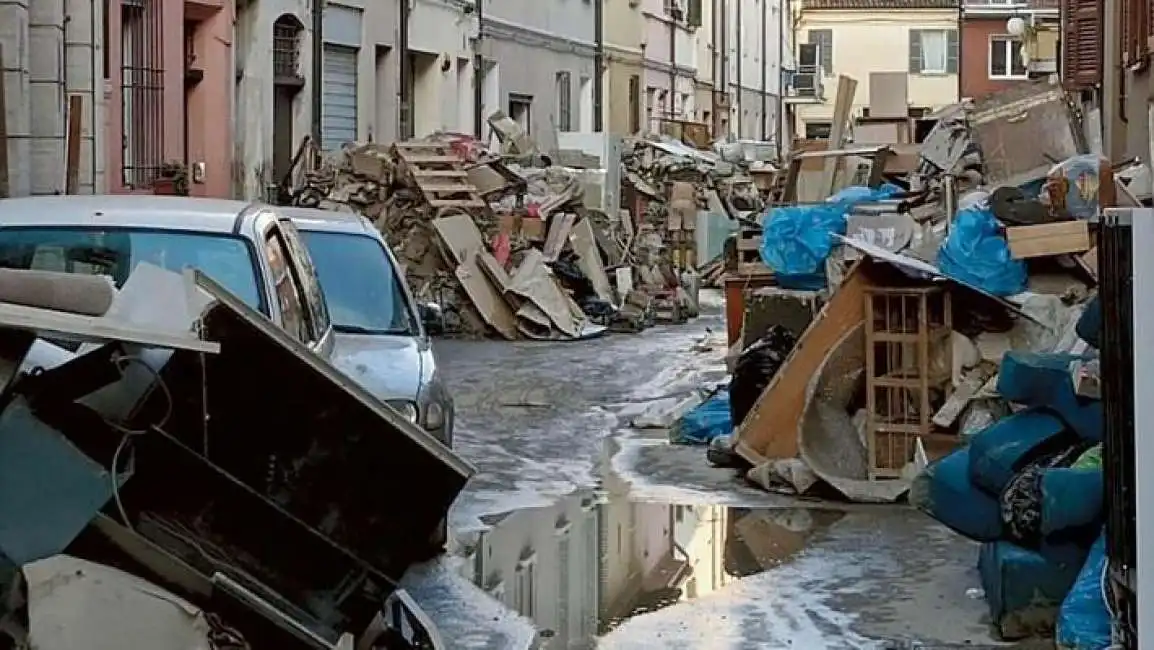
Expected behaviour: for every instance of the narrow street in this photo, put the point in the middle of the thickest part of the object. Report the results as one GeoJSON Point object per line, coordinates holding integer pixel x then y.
{"type": "Point", "coordinates": [665, 549]}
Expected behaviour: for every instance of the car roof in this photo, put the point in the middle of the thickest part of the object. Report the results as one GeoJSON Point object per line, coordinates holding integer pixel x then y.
{"type": "Point", "coordinates": [316, 220]}
{"type": "Point", "coordinates": [127, 211]}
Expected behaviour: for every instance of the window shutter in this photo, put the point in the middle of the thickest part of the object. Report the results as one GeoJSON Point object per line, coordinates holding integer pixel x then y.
{"type": "Point", "coordinates": [827, 51]}
{"type": "Point", "coordinates": [693, 18]}
{"type": "Point", "coordinates": [915, 51]}
{"type": "Point", "coordinates": [952, 51]}
{"type": "Point", "coordinates": [1081, 43]}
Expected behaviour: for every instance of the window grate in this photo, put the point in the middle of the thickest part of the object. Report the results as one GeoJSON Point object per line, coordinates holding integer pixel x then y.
{"type": "Point", "coordinates": [142, 92]}
{"type": "Point", "coordinates": [286, 37]}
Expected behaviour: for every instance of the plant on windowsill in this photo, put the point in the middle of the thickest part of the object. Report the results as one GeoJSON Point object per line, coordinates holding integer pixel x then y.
{"type": "Point", "coordinates": [171, 179]}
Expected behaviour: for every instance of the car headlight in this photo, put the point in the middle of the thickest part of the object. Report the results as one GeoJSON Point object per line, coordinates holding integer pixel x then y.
{"type": "Point", "coordinates": [408, 410]}
{"type": "Point", "coordinates": [434, 416]}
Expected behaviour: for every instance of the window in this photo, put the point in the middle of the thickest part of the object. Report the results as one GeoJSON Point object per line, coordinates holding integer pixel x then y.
{"type": "Point", "coordinates": [361, 287]}
{"type": "Point", "coordinates": [520, 111]}
{"type": "Point", "coordinates": [817, 130]}
{"type": "Point", "coordinates": [116, 252]}
{"type": "Point", "coordinates": [288, 294]}
{"type": "Point", "coordinates": [1006, 58]}
{"type": "Point", "coordinates": [586, 106]}
{"type": "Point", "coordinates": [286, 44]}
{"type": "Point", "coordinates": [339, 97]}
{"type": "Point", "coordinates": [564, 102]}
{"type": "Point", "coordinates": [525, 587]}
{"type": "Point", "coordinates": [823, 39]}
{"type": "Point", "coordinates": [634, 104]}
{"type": "Point", "coordinates": [694, 13]}
{"type": "Point", "coordinates": [142, 92]}
{"type": "Point", "coordinates": [933, 51]}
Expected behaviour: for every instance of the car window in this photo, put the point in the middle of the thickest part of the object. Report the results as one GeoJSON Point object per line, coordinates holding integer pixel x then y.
{"type": "Point", "coordinates": [317, 308]}
{"type": "Point", "coordinates": [116, 252]}
{"type": "Point", "coordinates": [288, 294]}
{"type": "Point", "coordinates": [363, 291]}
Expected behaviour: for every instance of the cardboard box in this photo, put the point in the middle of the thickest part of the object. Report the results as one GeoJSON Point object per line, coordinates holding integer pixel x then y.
{"type": "Point", "coordinates": [1048, 239]}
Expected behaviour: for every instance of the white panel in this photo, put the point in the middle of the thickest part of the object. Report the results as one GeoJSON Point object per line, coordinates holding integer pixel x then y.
{"type": "Point", "coordinates": [342, 26]}
{"type": "Point", "coordinates": [339, 104]}
{"type": "Point", "coordinates": [1143, 350]}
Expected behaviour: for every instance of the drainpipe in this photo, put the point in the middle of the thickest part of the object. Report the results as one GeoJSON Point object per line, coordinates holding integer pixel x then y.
{"type": "Point", "coordinates": [405, 92]}
{"type": "Point", "coordinates": [599, 66]}
{"type": "Point", "coordinates": [764, 68]}
{"type": "Point", "coordinates": [318, 67]}
{"type": "Point", "coordinates": [479, 74]}
{"type": "Point", "coordinates": [672, 66]}
{"type": "Point", "coordinates": [740, 78]}
{"type": "Point", "coordinates": [781, 77]}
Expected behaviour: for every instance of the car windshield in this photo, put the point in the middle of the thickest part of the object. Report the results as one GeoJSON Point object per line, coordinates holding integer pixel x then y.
{"type": "Point", "coordinates": [362, 290]}
{"type": "Point", "coordinates": [115, 252]}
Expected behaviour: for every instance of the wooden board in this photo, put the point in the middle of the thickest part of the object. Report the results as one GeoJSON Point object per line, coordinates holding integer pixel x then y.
{"type": "Point", "coordinates": [1048, 239]}
{"type": "Point", "coordinates": [770, 430]}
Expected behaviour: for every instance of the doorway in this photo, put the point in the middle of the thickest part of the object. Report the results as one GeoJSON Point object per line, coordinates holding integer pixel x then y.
{"type": "Point", "coordinates": [287, 84]}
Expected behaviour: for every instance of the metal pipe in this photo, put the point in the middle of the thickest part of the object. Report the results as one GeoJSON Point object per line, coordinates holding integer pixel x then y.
{"type": "Point", "coordinates": [405, 92]}
{"type": "Point", "coordinates": [599, 66]}
{"type": "Point", "coordinates": [669, 114]}
{"type": "Point", "coordinates": [479, 74]}
{"type": "Point", "coordinates": [318, 15]}
{"type": "Point", "coordinates": [781, 14]}
{"type": "Point", "coordinates": [764, 69]}
{"type": "Point", "coordinates": [740, 77]}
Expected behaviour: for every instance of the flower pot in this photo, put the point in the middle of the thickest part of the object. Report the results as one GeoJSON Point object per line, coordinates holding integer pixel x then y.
{"type": "Point", "coordinates": [164, 186]}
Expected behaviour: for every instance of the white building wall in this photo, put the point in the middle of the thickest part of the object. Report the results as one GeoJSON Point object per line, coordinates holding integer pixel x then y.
{"type": "Point", "coordinates": [440, 37]}
{"type": "Point", "coordinates": [754, 36]}
{"type": "Point", "coordinates": [83, 75]}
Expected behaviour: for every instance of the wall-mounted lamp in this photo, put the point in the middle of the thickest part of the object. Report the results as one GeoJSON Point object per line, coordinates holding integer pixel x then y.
{"type": "Point", "coordinates": [1016, 26]}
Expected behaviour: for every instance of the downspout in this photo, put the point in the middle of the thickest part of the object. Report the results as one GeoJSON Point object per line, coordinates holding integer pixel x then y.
{"type": "Point", "coordinates": [405, 92]}
{"type": "Point", "coordinates": [781, 77]}
{"type": "Point", "coordinates": [599, 66]}
{"type": "Point", "coordinates": [740, 77]}
{"type": "Point", "coordinates": [318, 67]}
{"type": "Point", "coordinates": [961, 19]}
{"type": "Point", "coordinates": [764, 69]}
{"type": "Point", "coordinates": [478, 74]}
{"type": "Point", "coordinates": [672, 68]}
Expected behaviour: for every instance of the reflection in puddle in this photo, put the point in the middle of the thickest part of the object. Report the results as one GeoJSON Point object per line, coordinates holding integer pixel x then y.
{"type": "Point", "coordinates": [582, 566]}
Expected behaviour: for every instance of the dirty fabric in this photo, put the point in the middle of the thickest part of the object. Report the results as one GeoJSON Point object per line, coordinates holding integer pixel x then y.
{"type": "Point", "coordinates": [704, 422]}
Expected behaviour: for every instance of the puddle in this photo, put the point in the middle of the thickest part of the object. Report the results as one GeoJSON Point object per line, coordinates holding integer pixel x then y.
{"type": "Point", "coordinates": [595, 559]}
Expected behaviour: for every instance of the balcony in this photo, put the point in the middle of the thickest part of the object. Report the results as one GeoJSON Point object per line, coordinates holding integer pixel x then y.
{"type": "Point", "coordinates": [1010, 7]}
{"type": "Point", "coordinates": [805, 86]}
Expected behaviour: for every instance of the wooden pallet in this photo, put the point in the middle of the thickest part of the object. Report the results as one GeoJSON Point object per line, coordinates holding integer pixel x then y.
{"type": "Point", "coordinates": [749, 253]}
{"type": "Point", "coordinates": [439, 173]}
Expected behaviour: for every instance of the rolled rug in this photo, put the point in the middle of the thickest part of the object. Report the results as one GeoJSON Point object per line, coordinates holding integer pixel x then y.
{"type": "Point", "coordinates": [88, 295]}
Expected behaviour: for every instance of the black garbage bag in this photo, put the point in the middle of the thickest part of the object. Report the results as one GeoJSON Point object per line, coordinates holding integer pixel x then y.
{"type": "Point", "coordinates": [755, 368]}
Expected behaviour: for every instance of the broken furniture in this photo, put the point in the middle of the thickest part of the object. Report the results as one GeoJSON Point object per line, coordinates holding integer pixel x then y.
{"type": "Point", "coordinates": [908, 365]}
{"type": "Point", "coordinates": [737, 286]}
{"type": "Point", "coordinates": [250, 477]}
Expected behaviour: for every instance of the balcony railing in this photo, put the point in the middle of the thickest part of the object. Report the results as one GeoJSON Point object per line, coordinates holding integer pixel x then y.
{"type": "Point", "coordinates": [1011, 5]}
{"type": "Point", "coordinates": [806, 83]}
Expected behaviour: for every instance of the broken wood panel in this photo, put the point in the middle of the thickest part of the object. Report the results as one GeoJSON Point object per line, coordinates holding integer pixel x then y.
{"type": "Point", "coordinates": [459, 236]}
{"type": "Point", "coordinates": [487, 298]}
{"type": "Point", "coordinates": [559, 230]}
{"type": "Point", "coordinates": [771, 428]}
{"type": "Point", "coordinates": [457, 203]}
{"type": "Point", "coordinates": [584, 242]}
{"type": "Point", "coordinates": [1048, 239]}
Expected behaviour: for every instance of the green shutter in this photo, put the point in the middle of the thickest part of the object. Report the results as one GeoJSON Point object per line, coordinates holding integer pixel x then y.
{"type": "Point", "coordinates": [952, 51]}
{"type": "Point", "coordinates": [915, 51]}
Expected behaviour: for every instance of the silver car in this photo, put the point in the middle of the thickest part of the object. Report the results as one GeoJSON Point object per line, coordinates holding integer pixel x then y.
{"type": "Point", "coordinates": [380, 338]}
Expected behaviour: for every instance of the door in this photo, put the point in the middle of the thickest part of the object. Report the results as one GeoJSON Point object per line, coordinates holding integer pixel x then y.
{"type": "Point", "coordinates": [339, 100]}
{"type": "Point", "coordinates": [282, 133]}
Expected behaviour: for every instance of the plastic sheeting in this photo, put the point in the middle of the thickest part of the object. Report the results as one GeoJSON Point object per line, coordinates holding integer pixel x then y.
{"type": "Point", "coordinates": [1040, 379]}
{"type": "Point", "coordinates": [1072, 187]}
{"type": "Point", "coordinates": [797, 239]}
{"type": "Point", "coordinates": [703, 422]}
{"type": "Point", "coordinates": [1083, 620]}
{"type": "Point", "coordinates": [975, 253]}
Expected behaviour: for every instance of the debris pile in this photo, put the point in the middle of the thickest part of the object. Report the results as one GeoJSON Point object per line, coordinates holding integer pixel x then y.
{"type": "Point", "coordinates": [953, 355]}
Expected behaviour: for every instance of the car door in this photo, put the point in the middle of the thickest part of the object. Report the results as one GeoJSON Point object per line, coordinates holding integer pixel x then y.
{"type": "Point", "coordinates": [287, 288]}
{"type": "Point", "coordinates": [310, 284]}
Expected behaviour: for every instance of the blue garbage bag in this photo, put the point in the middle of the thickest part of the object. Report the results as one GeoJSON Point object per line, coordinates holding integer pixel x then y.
{"type": "Point", "coordinates": [944, 492]}
{"type": "Point", "coordinates": [796, 239]}
{"type": "Point", "coordinates": [1083, 620]}
{"type": "Point", "coordinates": [1071, 498]}
{"type": "Point", "coordinates": [976, 254]}
{"type": "Point", "coordinates": [704, 422]}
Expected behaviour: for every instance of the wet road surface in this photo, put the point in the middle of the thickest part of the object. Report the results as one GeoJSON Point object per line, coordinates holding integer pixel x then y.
{"type": "Point", "coordinates": [580, 532]}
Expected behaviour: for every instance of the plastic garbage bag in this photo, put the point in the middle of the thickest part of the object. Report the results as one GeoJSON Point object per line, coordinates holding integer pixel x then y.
{"type": "Point", "coordinates": [1083, 620]}
{"type": "Point", "coordinates": [976, 254]}
{"type": "Point", "coordinates": [797, 239]}
{"type": "Point", "coordinates": [1071, 187]}
{"type": "Point", "coordinates": [754, 369]}
{"type": "Point", "coordinates": [704, 422]}
{"type": "Point", "coordinates": [1090, 459]}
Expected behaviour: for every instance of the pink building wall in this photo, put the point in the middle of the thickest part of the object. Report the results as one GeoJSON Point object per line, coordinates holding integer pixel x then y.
{"type": "Point", "coordinates": [206, 107]}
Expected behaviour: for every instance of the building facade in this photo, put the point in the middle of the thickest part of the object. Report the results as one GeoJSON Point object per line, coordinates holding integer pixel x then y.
{"type": "Point", "coordinates": [860, 37]}
{"type": "Point", "coordinates": [274, 95]}
{"type": "Point", "coordinates": [670, 60]}
{"type": "Point", "coordinates": [754, 37]}
{"type": "Point", "coordinates": [438, 82]}
{"type": "Point", "coordinates": [624, 67]}
{"type": "Point", "coordinates": [993, 59]}
{"type": "Point", "coordinates": [542, 53]}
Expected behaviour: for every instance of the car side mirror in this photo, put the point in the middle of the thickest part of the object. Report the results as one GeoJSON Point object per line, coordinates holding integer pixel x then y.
{"type": "Point", "coordinates": [433, 317]}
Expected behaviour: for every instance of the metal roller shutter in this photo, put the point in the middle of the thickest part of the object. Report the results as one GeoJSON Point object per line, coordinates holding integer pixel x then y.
{"type": "Point", "coordinates": [339, 102]}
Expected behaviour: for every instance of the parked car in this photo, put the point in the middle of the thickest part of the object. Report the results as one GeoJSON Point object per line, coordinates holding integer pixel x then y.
{"type": "Point", "coordinates": [256, 252]}
{"type": "Point", "coordinates": [380, 338]}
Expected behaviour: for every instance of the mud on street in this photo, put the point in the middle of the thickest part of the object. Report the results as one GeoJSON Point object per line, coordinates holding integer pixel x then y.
{"type": "Point", "coordinates": [578, 531]}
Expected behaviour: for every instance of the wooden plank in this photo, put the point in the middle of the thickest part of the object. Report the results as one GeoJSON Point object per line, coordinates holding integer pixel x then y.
{"type": "Point", "coordinates": [770, 430]}
{"type": "Point", "coordinates": [447, 187]}
{"type": "Point", "coordinates": [72, 145]}
{"type": "Point", "coordinates": [456, 203]}
{"type": "Point", "coordinates": [440, 173]}
{"type": "Point", "coordinates": [749, 244]}
{"type": "Point", "coordinates": [843, 104]}
{"type": "Point", "coordinates": [5, 190]}
{"type": "Point", "coordinates": [430, 160]}
{"type": "Point", "coordinates": [1048, 239]}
